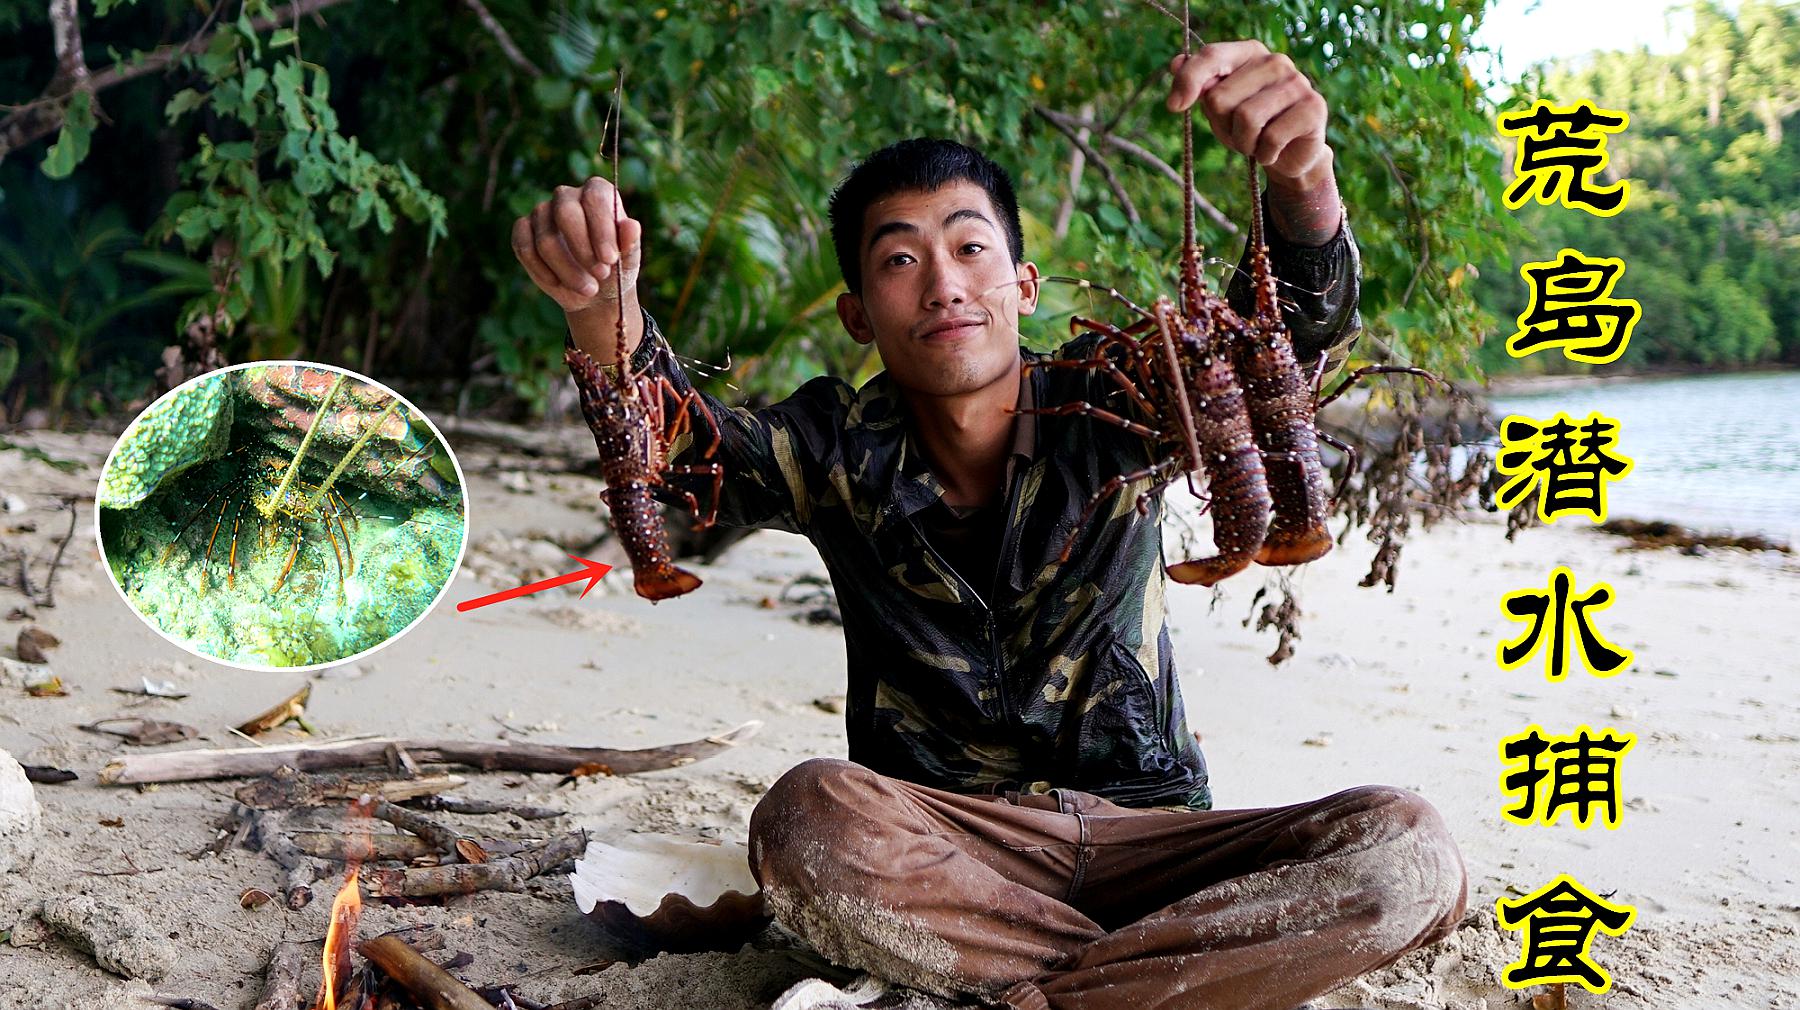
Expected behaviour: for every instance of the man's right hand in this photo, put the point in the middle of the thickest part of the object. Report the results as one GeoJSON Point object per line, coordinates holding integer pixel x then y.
{"type": "Point", "coordinates": [579, 247]}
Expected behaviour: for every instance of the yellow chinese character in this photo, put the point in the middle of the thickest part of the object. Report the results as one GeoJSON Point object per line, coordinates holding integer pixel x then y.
{"type": "Point", "coordinates": [1572, 308]}
{"type": "Point", "coordinates": [1557, 608]}
{"type": "Point", "coordinates": [1559, 150]}
{"type": "Point", "coordinates": [1569, 473]}
{"type": "Point", "coordinates": [1559, 921]}
{"type": "Point", "coordinates": [1583, 774]}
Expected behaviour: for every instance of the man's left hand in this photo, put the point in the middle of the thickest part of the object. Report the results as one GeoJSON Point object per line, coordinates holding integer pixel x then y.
{"type": "Point", "coordinates": [1259, 104]}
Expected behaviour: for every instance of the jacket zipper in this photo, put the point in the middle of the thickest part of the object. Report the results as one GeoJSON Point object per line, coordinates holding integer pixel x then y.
{"type": "Point", "coordinates": [989, 625]}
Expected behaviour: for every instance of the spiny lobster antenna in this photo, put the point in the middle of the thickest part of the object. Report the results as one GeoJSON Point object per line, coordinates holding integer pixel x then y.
{"type": "Point", "coordinates": [1187, 148]}
{"type": "Point", "coordinates": [618, 116]}
{"type": "Point", "coordinates": [1190, 252]}
{"type": "Point", "coordinates": [1261, 276]}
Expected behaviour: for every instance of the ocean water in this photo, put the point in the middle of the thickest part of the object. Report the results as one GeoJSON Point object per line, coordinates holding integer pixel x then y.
{"type": "Point", "coordinates": [1717, 452]}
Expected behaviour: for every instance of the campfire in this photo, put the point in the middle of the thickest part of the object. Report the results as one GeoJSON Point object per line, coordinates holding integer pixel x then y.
{"type": "Point", "coordinates": [418, 860]}
{"type": "Point", "coordinates": [391, 971]}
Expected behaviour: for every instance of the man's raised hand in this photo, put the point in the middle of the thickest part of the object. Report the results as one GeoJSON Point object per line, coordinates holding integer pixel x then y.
{"type": "Point", "coordinates": [1259, 104]}
{"type": "Point", "coordinates": [571, 245]}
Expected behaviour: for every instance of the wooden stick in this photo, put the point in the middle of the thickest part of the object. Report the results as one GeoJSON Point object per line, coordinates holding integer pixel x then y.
{"type": "Point", "coordinates": [327, 845]}
{"type": "Point", "coordinates": [432, 986]}
{"type": "Point", "coordinates": [285, 788]}
{"type": "Point", "coordinates": [291, 707]}
{"type": "Point", "coordinates": [464, 805]}
{"type": "Point", "coordinates": [505, 874]}
{"type": "Point", "coordinates": [379, 847]}
{"type": "Point", "coordinates": [193, 765]}
{"type": "Point", "coordinates": [300, 869]}
{"type": "Point", "coordinates": [436, 835]}
{"type": "Point", "coordinates": [281, 990]}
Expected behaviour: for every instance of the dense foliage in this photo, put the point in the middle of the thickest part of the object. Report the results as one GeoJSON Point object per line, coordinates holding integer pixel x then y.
{"type": "Point", "coordinates": [1712, 229]}
{"type": "Point", "coordinates": [340, 187]}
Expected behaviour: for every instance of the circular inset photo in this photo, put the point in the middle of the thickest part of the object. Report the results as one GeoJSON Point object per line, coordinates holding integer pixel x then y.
{"type": "Point", "coordinates": [281, 515]}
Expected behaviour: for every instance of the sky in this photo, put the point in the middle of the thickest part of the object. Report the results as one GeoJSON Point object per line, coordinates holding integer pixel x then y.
{"type": "Point", "coordinates": [1530, 31]}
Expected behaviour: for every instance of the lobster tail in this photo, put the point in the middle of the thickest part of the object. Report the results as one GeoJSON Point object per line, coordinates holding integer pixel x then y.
{"type": "Point", "coordinates": [639, 524]}
{"type": "Point", "coordinates": [1240, 511]}
{"type": "Point", "coordinates": [1233, 464]}
{"type": "Point", "coordinates": [661, 585]}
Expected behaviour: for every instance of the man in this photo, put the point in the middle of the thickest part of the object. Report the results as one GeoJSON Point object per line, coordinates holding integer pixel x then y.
{"type": "Point", "coordinates": [1025, 816]}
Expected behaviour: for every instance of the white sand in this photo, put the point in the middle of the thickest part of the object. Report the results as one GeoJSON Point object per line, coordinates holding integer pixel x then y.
{"type": "Point", "coordinates": [1400, 689]}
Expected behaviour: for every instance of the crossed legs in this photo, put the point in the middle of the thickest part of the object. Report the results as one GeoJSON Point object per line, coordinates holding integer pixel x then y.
{"type": "Point", "coordinates": [1070, 902]}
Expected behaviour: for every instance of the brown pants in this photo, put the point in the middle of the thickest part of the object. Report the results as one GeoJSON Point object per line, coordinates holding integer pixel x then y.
{"type": "Point", "coordinates": [1071, 902]}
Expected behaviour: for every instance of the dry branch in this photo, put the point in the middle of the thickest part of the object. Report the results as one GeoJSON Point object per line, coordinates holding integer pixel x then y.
{"type": "Point", "coordinates": [1081, 143]}
{"type": "Point", "coordinates": [382, 846]}
{"type": "Point", "coordinates": [501, 36]}
{"type": "Point", "coordinates": [291, 707]}
{"type": "Point", "coordinates": [192, 765]}
{"type": "Point", "coordinates": [285, 788]}
{"type": "Point", "coordinates": [506, 874]}
{"type": "Point", "coordinates": [299, 869]}
{"type": "Point", "coordinates": [464, 805]}
{"type": "Point", "coordinates": [432, 986]}
{"type": "Point", "coordinates": [440, 838]}
{"type": "Point", "coordinates": [1066, 122]}
{"type": "Point", "coordinates": [281, 988]}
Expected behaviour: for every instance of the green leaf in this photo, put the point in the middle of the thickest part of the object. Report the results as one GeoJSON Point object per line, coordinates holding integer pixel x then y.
{"type": "Point", "coordinates": [283, 37]}
{"type": "Point", "coordinates": [183, 101]}
{"type": "Point", "coordinates": [312, 176]}
{"type": "Point", "coordinates": [72, 141]}
{"type": "Point", "coordinates": [254, 79]}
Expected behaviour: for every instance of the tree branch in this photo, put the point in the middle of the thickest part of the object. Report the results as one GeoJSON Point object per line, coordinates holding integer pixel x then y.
{"type": "Point", "coordinates": [1059, 121]}
{"type": "Point", "coordinates": [498, 31]}
{"type": "Point", "coordinates": [1122, 145]}
{"type": "Point", "coordinates": [44, 115]}
{"type": "Point", "coordinates": [65, 33]}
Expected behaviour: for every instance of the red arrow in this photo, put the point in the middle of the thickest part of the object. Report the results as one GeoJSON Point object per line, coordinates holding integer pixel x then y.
{"type": "Point", "coordinates": [591, 571]}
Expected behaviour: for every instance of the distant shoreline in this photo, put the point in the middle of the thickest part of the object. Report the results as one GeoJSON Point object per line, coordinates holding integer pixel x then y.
{"type": "Point", "coordinates": [1520, 385]}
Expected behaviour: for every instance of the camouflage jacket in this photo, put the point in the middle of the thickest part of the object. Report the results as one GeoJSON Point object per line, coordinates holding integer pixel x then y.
{"type": "Point", "coordinates": [1036, 676]}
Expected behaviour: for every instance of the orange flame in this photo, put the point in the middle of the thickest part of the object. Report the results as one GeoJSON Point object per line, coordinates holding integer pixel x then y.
{"type": "Point", "coordinates": [346, 909]}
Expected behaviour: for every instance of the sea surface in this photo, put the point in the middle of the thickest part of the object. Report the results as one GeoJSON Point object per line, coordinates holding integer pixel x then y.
{"type": "Point", "coordinates": [1717, 452]}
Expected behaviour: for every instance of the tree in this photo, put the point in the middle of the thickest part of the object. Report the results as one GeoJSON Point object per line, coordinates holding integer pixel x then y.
{"type": "Point", "coordinates": [294, 134]}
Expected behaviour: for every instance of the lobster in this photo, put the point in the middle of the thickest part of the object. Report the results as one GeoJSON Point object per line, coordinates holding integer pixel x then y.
{"type": "Point", "coordinates": [1225, 396]}
{"type": "Point", "coordinates": [635, 418]}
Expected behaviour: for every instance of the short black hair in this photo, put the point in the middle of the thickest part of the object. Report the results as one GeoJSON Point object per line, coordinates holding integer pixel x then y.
{"type": "Point", "coordinates": [920, 163]}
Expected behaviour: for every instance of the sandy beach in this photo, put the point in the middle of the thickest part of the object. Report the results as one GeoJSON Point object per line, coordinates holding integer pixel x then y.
{"type": "Point", "coordinates": [1398, 688]}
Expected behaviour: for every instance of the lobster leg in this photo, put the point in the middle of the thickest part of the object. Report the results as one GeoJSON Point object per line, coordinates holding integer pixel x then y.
{"type": "Point", "coordinates": [1108, 489]}
{"type": "Point", "coordinates": [1082, 407]}
{"type": "Point", "coordinates": [1354, 377]}
{"type": "Point", "coordinates": [1350, 459]}
{"type": "Point", "coordinates": [1112, 371]}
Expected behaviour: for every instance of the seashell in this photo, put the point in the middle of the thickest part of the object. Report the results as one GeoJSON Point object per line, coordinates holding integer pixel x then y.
{"type": "Point", "coordinates": [651, 894]}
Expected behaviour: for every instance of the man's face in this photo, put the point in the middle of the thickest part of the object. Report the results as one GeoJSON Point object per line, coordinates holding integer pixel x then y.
{"type": "Point", "coordinates": [941, 297]}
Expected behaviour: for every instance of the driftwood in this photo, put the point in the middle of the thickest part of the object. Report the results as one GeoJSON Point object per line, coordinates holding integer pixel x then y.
{"type": "Point", "coordinates": [342, 848]}
{"type": "Point", "coordinates": [285, 788]}
{"type": "Point", "coordinates": [193, 765]}
{"type": "Point", "coordinates": [440, 838]}
{"type": "Point", "coordinates": [299, 869]}
{"type": "Point", "coordinates": [381, 847]}
{"type": "Point", "coordinates": [291, 707]}
{"type": "Point", "coordinates": [508, 873]}
{"type": "Point", "coordinates": [432, 986]}
{"type": "Point", "coordinates": [281, 988]}
{"type": "Point", "coordinates": [464, 805]}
